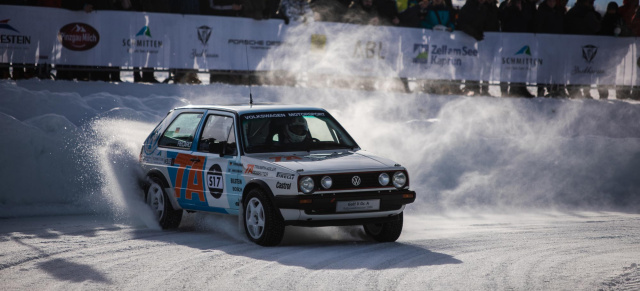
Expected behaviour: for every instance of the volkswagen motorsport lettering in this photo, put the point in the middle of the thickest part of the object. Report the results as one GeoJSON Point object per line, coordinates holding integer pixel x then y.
{"type": "Point", "coordinates": [273, 166]}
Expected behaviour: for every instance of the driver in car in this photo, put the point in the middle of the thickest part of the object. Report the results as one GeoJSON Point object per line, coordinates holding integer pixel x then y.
{"type": "Point", "coordinates": [296, 130]}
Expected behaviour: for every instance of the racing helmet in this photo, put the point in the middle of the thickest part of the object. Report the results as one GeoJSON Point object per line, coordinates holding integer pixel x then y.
{"type": "Point", "coordinates": [297, 129]}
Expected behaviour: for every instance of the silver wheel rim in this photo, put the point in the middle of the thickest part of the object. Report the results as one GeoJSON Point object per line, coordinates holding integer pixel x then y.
{"type": "Point", "coordinates": [155, 199]}
{"type": "Point", "coordinates": [254, 218]}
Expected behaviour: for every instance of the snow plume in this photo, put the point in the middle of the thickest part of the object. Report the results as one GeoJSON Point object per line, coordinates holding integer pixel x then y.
{"type": "Point", "coordinates": [474, 153]}
{"type": "Point", "coordinates": [495, 153]}
{"type": "Point", "coordinates": [112, 173]}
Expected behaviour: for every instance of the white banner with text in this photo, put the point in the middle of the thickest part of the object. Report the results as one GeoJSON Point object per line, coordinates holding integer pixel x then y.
{"type": "Point", "coordinates": [37, 35]}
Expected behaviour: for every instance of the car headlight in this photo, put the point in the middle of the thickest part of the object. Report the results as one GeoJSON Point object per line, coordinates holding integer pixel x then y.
{"type": "Point", "coordinates": [383, 179]}
{"type": "Point", "coordinates": [326, 182]}
{"type": "Point", "coordinates": [399, 180]}
{"type": "Point", "coordinates": [307, 185]}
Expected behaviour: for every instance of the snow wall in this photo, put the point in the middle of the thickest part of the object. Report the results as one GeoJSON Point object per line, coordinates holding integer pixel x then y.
{"type": "Point", "coordinates": [72, 147]}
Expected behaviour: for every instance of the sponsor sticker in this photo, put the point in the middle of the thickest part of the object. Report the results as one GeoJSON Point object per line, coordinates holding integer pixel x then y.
{"type": "Point", "coordinates": [215, 181]}
{"type": "Point", "coordinates": [251, 169]}
{"type": "Point", "coordinates": [287, 176]}
{"type": "Point", "coordinates": [78, 36]}
{"type": "Point", "coordinates": [285, 186]}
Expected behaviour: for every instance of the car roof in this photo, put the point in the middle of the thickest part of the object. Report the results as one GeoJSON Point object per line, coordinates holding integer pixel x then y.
{"type": "Point", "coordinates": [244, 109]}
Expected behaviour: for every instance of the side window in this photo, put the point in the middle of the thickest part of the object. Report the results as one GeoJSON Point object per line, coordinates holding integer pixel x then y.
{"type": "Point", "coordinates": [218, 132]}
{"type": "Point", "coordinates": [181, 131]}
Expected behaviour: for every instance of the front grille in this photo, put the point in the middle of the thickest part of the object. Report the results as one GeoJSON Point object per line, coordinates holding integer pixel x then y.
{"type": "Point", "coordinates": [344, 181]}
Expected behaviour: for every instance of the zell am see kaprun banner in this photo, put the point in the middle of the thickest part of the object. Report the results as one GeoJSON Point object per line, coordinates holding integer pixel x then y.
{"type": "Point", "coordinates": [38, 35]}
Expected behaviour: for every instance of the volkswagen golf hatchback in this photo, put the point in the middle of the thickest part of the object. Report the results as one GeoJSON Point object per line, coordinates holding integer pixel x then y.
{"type": "Point", "coordinates": [273, 166]}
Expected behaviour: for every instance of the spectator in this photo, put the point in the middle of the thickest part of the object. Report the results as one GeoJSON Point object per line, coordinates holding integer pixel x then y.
{"type": "Point", "coordinates": [276, 10]}
{"type": "Point", "coordinates": [438, 16]}
{"type": "Point", "coordinates": [297, 10]}
{"type": "Point", "coordinates": [492, 24]}
{"type": "Point", "coordinates": [472, 18]}
{"type": "Point", "coordinates": [517, 16]}
{"type": "Point", "coordinates": [627, 11]}
{"type": "Point", "coordinates": [635, 23]}
{"type": "Point", "coordinates": [254, 8]}
{"type": "Point", "coordinates": [582, 19]}
{"type": "Point", "coordinates": [612, 25]}
{"type": "Point", "coordinates": [329, 10]}
{"type": "Point", "coordinates": [185, 6]}
{"type": "Point", "coordinates": [414, 14]}
{"type": "Point", "coordinates": [225, 7]}
{"type": "Point", "coordinates": [612, 22]}
{"type": "Point", "coordinates": [364, 12]}
{"type": "Point", "coordinates": [549, 19]}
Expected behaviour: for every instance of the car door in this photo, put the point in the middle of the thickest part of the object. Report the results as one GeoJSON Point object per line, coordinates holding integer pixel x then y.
{"type": "Point", "coordinates": [222, 170]}
{"type": "Point", "coordinates": [185, 170]}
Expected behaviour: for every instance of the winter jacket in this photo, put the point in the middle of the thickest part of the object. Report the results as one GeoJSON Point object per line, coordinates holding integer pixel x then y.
{"type": "Point", "coordinates": [549, 20]}
{"type": "Point", "coordinates": [518, 20]}
{"type": "Point", "coordinates": [492, 22]}
{"type": "Point", "coordinates": [471, 19]}
{"type": "Point", "coordinates": [437, 15]}
{"type": "Point", "coordinates": [582, 19]}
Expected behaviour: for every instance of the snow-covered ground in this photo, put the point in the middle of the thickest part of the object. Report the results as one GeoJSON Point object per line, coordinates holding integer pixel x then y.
{"type": "Point", "coordinates": [512, 194]}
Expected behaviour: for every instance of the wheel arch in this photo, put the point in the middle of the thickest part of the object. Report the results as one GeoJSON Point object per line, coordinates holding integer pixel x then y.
{"type": "Point", "coordinates": [155, 173]}
{"type": "Point", "coordinates": [253, 184]}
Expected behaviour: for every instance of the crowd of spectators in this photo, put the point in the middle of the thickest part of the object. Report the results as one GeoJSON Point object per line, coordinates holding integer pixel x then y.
{"type": "Point", "coordinates": [474, 18]}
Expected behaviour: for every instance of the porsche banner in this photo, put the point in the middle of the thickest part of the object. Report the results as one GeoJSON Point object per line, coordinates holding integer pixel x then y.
{"type": "Point", "coordinates": [36, 35]}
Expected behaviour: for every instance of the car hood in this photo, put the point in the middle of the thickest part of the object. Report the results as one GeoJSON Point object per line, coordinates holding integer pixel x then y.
{"type": "Point", "coordinates": [347, 161]}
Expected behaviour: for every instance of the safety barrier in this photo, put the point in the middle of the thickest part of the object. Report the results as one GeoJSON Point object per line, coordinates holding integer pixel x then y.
{"type": "Point", "coordinates": [37, 35]}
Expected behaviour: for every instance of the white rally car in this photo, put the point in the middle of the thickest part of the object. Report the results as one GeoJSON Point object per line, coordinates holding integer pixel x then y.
{"type": "Point", "coordinates": [274, 166]}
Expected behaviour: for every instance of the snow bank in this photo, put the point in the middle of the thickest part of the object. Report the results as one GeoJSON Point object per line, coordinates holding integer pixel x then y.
{"type": "Point", "coordinates": [73, 146]}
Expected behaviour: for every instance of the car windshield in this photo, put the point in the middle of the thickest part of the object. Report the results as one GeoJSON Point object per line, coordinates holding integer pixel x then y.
{"type": "Point", "coordinates": [293, 131]}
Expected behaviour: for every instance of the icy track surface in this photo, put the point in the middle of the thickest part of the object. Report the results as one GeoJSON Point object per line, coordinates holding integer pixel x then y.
{"type": "Point", "coordinates": [545, 251]}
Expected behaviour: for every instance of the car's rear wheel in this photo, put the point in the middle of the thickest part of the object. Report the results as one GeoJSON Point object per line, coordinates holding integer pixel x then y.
{"type": "Point", "coordinates": [262, 224]}
{"type": "Point", "coordinates": [385, 232]}
{"type": "Point", "coordinates": [159, 202]}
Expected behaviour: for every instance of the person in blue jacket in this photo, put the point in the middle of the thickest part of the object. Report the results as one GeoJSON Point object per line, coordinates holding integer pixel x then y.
{"type": "Point", "coordinates": [438, 16]}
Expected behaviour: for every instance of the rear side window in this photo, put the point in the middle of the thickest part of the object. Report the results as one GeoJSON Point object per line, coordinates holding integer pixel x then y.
{"type": "Point", "coordinates": [181, 131]}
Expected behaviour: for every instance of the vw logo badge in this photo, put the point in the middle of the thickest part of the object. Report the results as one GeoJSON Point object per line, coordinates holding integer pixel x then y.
{"type": "Point", "coordinates": [356, 181]}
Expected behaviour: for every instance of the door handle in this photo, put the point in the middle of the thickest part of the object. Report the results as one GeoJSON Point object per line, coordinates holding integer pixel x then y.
{"type": "Point", "coordinates": [195, 160]}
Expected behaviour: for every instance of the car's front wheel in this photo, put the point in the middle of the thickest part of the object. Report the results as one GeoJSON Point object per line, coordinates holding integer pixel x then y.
{"type": "Point", "coordinates": [159, 202]}
{"type": "Point", "coordinates": [262, 224]}
{"type": "Point", "coordinates": [385, 232]}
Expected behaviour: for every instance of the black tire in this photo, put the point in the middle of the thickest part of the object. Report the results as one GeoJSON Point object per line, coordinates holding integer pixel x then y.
{"type": "Point", "coordinates": [262, 223]}
{"type": "Point", "coordinates": [157, 199]}
{"type": "Point", "coordinates": [385, 232]}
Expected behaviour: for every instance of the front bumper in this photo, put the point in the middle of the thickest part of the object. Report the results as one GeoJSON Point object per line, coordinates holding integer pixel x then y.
{"type": "Point", "coordinates": [325, 204]}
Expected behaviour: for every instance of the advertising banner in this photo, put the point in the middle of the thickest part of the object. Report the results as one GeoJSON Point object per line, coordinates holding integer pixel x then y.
{"type": "Point", "coordinates": [175, 41]}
